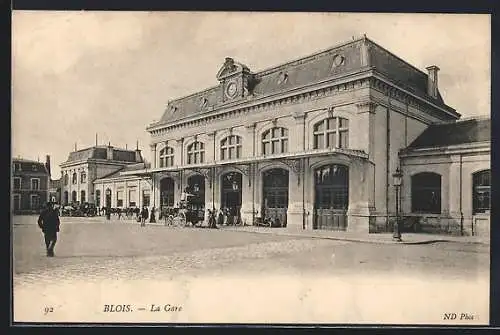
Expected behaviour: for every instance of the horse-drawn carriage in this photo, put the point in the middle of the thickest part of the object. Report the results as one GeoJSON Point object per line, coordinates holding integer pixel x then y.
{"type": "Point", "coordinates": [184, 214]}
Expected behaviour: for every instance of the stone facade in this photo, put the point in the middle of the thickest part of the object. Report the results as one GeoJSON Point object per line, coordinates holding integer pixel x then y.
{"type": "Point", "coordinates": [382, 103]}
{"type": "Point", "coordinates": [30, 185]}
{"type": "Point", "coordinates": [85, 166]}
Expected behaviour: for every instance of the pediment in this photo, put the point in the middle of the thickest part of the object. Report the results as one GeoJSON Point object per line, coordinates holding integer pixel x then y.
{"type": "Point", "coordinates": [231, 67]}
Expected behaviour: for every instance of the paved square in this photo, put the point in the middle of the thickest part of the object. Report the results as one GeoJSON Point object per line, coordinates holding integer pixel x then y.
{"type": "Point", "coordinates": [102, 262]}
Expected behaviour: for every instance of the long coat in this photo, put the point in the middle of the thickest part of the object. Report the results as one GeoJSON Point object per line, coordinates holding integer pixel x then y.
{"type": "Point", "coordinates": [48, 221]}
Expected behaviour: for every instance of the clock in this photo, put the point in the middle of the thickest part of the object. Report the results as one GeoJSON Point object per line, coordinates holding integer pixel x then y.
{"type": "Point", "coordinates": [231, 89]}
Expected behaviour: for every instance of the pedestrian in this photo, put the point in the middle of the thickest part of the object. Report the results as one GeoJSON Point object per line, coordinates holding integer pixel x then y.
{"type": "Point", "coordinates": [152, 218]}
{"type": "Point", "coordinates": [119, 211]}
{"type": "Point", "coordinates": [48, 221]}
{"type": "Point", "coordinates": [220, 217]}
{"type": "Point", "coordinates": [144, 216]}
{"type": "Point", "coordinates": [211, 219]}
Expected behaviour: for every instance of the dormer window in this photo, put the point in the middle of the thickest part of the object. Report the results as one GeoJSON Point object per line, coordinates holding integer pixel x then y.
{"type": "Point", "coordinates": [34, 167]}
{"type": "Point", "coordinates": [282, 78]}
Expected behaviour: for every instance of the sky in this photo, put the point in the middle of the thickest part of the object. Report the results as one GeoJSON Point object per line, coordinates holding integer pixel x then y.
{"type": "Point", "coordinates": [75, 74]}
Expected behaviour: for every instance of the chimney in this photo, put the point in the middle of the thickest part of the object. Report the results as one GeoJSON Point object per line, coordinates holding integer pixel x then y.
{"type": "Point", "coordinates": [432, 81]}
{"type": "Point", "coordinates": [47, 163]}
{"type": "Point", "coordinates": [109, 154]}
{"type": "Point", "coordinates": [138, 156]}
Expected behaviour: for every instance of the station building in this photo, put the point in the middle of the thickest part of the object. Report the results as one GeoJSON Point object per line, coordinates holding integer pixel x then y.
{"type": "Point", "coordinates": [85, 170]}
{"type": "Point", "coordinates": [313, 144]}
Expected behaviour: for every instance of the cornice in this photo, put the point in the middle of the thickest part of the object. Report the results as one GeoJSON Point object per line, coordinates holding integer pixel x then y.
{"type": "Point", "coordinates": [329, 87]}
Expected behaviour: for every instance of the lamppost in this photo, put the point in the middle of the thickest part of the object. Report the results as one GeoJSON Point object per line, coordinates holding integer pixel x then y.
{"type": "Point", "coordinates": [397, 180]}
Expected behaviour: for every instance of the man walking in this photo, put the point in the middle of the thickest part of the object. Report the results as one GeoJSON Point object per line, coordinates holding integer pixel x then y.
{"type": "Point", "coordinates": [144, 216]}
{"type": "Point", "coordinates": [48, 221]}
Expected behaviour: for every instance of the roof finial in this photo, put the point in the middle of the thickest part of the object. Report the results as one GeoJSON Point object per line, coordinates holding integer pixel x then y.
{"type": "Point", "coordinates": [96, 139]}
{"type": "Point", "coordinates": [75, 146]}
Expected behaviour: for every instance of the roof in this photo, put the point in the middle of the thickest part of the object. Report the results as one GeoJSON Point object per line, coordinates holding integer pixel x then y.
{"type": "Point", "coordinates": [309, 70]}
{"type": "Point", "coordinates": [55, 183]}
{"type": "Point", "coordinates": [27, 166]}
{"type": "Point", "coordinates": [100, 152]}
{"type": "Point", "coordinates": [459, 132]}
{"type": "Point", "coordinates": [126, 168]}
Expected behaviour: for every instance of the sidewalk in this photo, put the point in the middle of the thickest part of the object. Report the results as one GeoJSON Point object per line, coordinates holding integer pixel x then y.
{"type": "Point", "coordinates": [377, 238]}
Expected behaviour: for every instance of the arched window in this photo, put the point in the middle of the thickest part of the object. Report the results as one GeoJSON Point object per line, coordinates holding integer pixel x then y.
{"type": "Point", "coordinates": [75, 178]}
{"type": "Point", "coordinates": [82, 197]}
{"type": "Point", "coordinates": [73, 197]}
{"type": "Point", "coordinates": [66, 179]}
{"type": "Point", "coordinates": [230, 147]}
{"type": "Point", "coordinates": [83, 177]}
{"type": "Point", "coordinates": [275, 141]}
{"type": "Point", "coordinates": [331, 133]}
{"type": "Point", "coordinates": [426, 193]}
{"type": "Point", "coordinates": [196, 153]}
{"type": "Point", "coordinates": [167, 157]}
{"type": "Point", "coordinates": [481, 191]}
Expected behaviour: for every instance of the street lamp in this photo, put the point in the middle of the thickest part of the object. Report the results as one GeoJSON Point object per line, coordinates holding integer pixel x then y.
{"type": "Point", "coordinates": [397, 181]}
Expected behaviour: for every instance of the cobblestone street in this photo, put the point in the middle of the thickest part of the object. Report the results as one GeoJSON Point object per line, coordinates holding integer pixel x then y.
{"type": "Point", "coordinates": [116, 262]}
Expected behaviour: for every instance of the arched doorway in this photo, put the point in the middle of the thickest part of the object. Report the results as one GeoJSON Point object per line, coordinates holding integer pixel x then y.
{"type": "Point", "coordinates": [231, 184]}
{"type": "Point", "coordinates": [167, 192]}
{"type": "Point", "coordinates": [331, 198]}
{"type": "Point", "coordinates": [275, 196]}
{"type": "Point", "coordinates": [196, 198]}
{"type": "Point", "coordinates": [108, 198]}
{"type": "Point", "coordinates": [73, 197]}
{"type": "Point", "coordinates": [66, 197]}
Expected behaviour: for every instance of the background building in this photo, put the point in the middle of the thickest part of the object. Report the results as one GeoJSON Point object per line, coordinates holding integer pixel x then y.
{"type": "Point", "coordinates": [30, 185]}
{"type": "Point", "coordinates": [83, 167]}
{"type": "Point", "coordinates": [312, 143]}
{"type": "Point", "coordinates": [116, 191]}
{"type": "Point", "coordinates": [55, 190]}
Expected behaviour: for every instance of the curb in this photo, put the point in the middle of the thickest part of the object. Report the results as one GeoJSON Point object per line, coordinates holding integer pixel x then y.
{"type": "Point", "coordinates": [348, 239]}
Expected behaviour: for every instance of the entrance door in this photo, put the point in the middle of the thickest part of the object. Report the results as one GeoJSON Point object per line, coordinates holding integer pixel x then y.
{"type": "Point", "coordinates": [275, 196]}
{"type": "Point", "coordinates": [331, 197]}
{"type": "Point", "coordinates": [167, 192]}
{"type": "Point", "coordinates": [231, 193]}
{"type": "Point", "coordinates": [196, 202]}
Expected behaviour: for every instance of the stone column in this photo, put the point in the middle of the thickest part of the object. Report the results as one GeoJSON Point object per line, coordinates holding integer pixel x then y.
{"type": "Point", "coordinates": [455, 212]}
{"type": "Point", "coordinates": [179, 152]}
{"type": "Point", "coordinates": [153, 155]}
{"type": "Point", "coordinates": [364, 129]}
{"type": "Point", "coordinates": [209, 148]}
{"type": "Point", "coordinates": [246, 195]}
{"type": "Point", "coordinates": [295, 213]}
{"type": "Point", "coordinates": [361, 196]}
{"type": "Point", "coordinates": [249, 143]}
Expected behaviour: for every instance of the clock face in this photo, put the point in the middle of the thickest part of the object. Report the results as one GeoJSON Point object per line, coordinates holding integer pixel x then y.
{"type": "Point", "coordinates": [231, 89]}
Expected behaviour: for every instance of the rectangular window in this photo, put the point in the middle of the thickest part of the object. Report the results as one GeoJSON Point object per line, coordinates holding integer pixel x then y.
{"type": "Point", "coordinates": [238, 151]}
{"type": "Point", "coordinates": [35, 184]}
{"type": "Point", "coordinates": [332, 140]}
{"type": "Point", "coordinates": [267, 148]}
{"type": "Point", "coordinates": [344, 139]}
{"type": "Point", "coordinates": [17, 167]}
{"type": "Point", "coordinates": [319, 141]}
{"type": "Point", "coordinates": [119, 199]}
{"type": "Point", "coordinates": [284, 145]}
{"type": "Point", "coordinates": [17, 183]}
{"type": "Point", "coordinates": [17, 202]}
{"type": "Point", "coordinates": [132, 198]}
{"type": "Point", "coordinates": [223, 154]}
{"type": "Point", "coordinates": [35, 201]}
{"type": "Point", "coordinates": [275, 148]}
